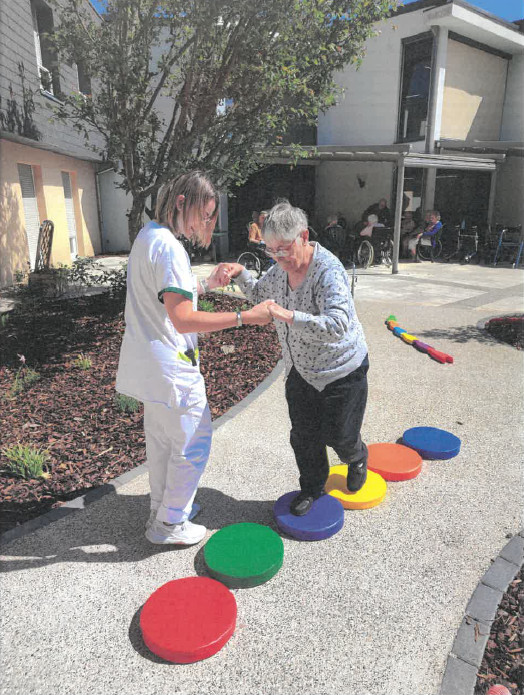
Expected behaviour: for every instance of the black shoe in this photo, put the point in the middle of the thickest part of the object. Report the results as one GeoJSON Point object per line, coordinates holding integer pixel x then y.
{"type": "Point", "coordinates": [301, 504]}
{"type": "Point", "coordinates": [357, 474]}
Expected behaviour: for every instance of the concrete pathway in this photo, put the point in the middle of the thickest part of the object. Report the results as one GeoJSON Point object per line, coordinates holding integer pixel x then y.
{"type": "Point", "coordinates": [373, 610]}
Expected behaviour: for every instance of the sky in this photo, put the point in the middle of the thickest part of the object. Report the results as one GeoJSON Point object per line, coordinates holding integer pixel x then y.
{"type": "Point", "coordinates": [506, 9]}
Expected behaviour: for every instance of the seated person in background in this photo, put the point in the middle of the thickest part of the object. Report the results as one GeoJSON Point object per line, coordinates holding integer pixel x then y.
{"type": "Point", "coordinates": [341, 220]}
{"type": "Point", "coordinates": [407, 230]}
{"type": "Point", "coordinates": [254, 229]}
{"type": "Point", "coordinates": [432, 226]}
{"type": "Point", "coordinates": [372, 222]}
{"type": "Point", "coordinates": [333, 236]}
{"type": "Point", "coordinates": [381, 210]}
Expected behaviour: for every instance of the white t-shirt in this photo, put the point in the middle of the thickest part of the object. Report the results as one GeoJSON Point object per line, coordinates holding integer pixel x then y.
{"type": "Point", "coordinates": [150, 356]}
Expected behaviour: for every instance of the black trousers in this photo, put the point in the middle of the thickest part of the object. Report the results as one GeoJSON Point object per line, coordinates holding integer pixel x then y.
{"type": "Point", "coordinates": [332, 417]}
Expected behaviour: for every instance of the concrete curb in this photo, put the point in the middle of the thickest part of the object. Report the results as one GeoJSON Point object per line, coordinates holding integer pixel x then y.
{"type": "Point", "coordinates": [88, 498]}
{"type": "Point", "coordinates": [460, 676]}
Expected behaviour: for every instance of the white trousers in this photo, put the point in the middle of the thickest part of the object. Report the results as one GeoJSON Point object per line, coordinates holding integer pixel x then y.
{"type": "Point", "coordinates": [178, 441]}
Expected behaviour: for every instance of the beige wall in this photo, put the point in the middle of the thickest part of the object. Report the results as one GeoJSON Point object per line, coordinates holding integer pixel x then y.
{"type": "Point", "coordinates": [338, 188]}
{"type": "Point", "coordinates": [47, 168]}
{"type": "Point", "coordinates": [473, 93]}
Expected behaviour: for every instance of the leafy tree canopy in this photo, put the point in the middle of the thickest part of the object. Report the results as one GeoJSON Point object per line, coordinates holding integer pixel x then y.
{"type": "Point", "coordinates": [183, 84]}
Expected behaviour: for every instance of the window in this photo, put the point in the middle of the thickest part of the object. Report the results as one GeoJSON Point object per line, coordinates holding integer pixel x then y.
{"type": "Point", "coordinates": [415, 86]}
{"type": "Point", "coordinates": [46, 57]}
{"type": "Point", "coordinates": [84, 80]}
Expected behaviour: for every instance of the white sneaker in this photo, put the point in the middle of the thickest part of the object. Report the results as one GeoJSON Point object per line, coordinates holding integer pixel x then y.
{"type": "Point", "coordinates": [195, 509]}
{"type": "Point", "coordinates": [185, 533]}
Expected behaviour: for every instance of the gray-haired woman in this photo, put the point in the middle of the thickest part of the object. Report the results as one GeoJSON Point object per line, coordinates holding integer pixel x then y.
{"type": "Point", "coordinates": [324, 349]}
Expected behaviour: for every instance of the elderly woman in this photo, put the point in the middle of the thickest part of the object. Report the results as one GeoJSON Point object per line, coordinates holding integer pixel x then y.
{"type": "Point", "coordinates": [324, 349]}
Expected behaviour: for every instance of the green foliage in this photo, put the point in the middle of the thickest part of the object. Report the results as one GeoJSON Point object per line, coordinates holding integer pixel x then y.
{"type": "Point", "coordinates": [126, 404]}
{"type": "Point", "coordinates": [24, 378]}
{"type": "Point", "coordinates": [26, 461]}
{"type": "Point", "coordinates": [82, 362]}
{"type": "Point", "coordinates": [4, 320]}
{"type": "Point", "coordinates": [206, 305]}
{"type": "Point", "coordinates": [207, 85]}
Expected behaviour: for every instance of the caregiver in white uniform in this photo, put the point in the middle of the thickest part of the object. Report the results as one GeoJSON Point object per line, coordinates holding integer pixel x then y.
{"type": "Point", "coordinates": [159, 360]}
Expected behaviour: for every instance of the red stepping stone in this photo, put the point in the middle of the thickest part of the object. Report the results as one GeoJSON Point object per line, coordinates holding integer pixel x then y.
{"type": "Point", "coordinates": [394, 461]}
{"type": "Point", "coordinates": [188, 619]}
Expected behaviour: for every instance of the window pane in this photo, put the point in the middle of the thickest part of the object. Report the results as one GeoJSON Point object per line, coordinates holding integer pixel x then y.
{"type": "Point", "coordinates": [416, 80]}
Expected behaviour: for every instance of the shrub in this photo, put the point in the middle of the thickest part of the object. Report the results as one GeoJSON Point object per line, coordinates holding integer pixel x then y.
{"type": "Point", "coordinates": [126, 404]}
{"type": "Point", "coordinates": [82, 362]}
{"type": "Point", "coordinates": [26, 461]}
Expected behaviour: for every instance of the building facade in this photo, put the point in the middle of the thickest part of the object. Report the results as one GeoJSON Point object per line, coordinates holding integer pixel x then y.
{"type": "Point", "coordinates": [46, 169]}
{"type": "Point", "coordinates": [440, 95]}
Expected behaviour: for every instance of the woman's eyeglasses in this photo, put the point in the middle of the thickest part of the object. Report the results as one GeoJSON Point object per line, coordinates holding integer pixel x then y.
{"type": "Point", "coordinates": [282, 252]}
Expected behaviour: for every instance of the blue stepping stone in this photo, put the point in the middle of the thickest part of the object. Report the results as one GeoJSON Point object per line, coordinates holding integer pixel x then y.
{"type": "Point", "coordinates": [324, 519]}
{"type": "Point", "coordinates": [432, 443]}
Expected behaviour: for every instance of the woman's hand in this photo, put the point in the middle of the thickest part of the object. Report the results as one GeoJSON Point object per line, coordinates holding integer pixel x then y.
{"type": "Point", "coordinates": [259, 315]}
{"type": "Point", "coordinates": [278, 312]}
{"type": "Point", "coordinates": [219, 277]}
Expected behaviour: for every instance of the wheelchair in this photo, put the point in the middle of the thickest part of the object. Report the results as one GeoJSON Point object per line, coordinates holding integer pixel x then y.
{"type": "Point", "coordinates": [378, 248]}
{"type": "Point", "coordinates": [509, 246]}
{"type": "Point", "coordinates": [255, 260]}
{"type": "Point", "coordinates": [430, 247]}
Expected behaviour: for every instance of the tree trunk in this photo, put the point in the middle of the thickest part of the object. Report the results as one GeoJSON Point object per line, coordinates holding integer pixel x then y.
{"type": "Point", "coordinates": [135, 218]}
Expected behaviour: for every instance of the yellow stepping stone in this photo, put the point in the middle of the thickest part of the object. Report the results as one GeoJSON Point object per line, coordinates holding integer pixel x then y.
{"type": "Point", "coordinates": [407, 338]}
{"type": "Point", "coordinates": [370, 494]}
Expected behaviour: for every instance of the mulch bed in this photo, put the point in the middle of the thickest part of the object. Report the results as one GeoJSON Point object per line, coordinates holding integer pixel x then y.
{"type": "Point", "coordinates": [72, 412]}
{"type": "Point", "coordinates": [509, 329]}
{"type": "Point", "coordinates": [503, 663]}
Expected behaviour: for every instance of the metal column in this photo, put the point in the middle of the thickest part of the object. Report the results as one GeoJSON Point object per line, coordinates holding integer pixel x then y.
{"type": "Point", "coordinates": [398, 214]}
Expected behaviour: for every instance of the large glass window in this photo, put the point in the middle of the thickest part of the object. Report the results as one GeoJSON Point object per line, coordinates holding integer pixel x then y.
{"type": "Point", "coordinates": [46, 57]}
{"type": "Point", "coordinates": [415, 85]}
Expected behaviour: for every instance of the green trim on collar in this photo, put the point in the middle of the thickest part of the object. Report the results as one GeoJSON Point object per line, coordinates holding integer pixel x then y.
{"type": "Point", "coordinates": [176, 290]}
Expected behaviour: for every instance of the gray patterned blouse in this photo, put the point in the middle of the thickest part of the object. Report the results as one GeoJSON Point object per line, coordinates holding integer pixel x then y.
{"type": "Point", "coordinates": [325, 342]}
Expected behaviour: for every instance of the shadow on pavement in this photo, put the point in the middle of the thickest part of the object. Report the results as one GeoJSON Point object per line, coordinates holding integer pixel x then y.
{"type": "Point", "coordinates": [114, 531]}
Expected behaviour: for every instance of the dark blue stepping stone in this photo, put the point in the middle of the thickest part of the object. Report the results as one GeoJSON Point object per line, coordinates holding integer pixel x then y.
{"type": "Point", "coordinates": [323, 520]}
{"type": "Point", "coordinates": [432, 443]}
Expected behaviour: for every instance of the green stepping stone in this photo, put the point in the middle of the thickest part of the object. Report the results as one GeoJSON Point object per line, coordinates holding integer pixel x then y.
{"type": "Point", "coordinates": [244, 555]}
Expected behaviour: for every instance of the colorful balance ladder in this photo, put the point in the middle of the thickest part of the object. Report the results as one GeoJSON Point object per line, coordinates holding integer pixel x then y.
{"type": "Point", "coordinates": [442, 357]}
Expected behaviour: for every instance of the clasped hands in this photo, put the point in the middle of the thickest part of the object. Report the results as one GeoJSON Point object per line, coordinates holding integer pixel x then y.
{"type": "Point", "coordinates": [266, 311]}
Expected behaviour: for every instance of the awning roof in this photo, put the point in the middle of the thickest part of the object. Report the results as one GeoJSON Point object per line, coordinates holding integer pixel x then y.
{"type": "Point", "coordinates": [391, 153]}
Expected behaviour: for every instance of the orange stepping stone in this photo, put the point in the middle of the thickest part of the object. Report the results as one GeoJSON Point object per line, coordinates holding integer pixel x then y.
{"type": "Point", "coordinates": [394, 461]}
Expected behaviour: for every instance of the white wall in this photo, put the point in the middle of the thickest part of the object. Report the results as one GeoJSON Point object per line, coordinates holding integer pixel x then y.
{"type": "Point", "coordinates": [338, 189]}
{"type": "Point", "coordinates": [513, 115]}
{"type": "Point", "coordinates": [114, 204]}
{"type": "Point", "coordinates": [368, 112]}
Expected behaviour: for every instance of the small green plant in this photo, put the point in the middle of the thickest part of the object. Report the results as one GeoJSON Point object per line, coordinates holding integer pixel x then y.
{"type": "Point", "coordinates": [206, 305]}
{"type": "Point", "coordinates": [26, 461]}
{"type": "Point", "coordinates": [126, 404]}
{"type": "Point", "coordinates": [4, 318]}
{"type": "Point", "coordinates": [24, 378]}
{"type": "Point", "coordinates": [82, 362]}
{"type": "Point", "coordinates": [245, 307]}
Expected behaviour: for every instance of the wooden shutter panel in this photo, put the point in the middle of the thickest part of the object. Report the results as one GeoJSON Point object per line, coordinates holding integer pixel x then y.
{"type": "Point", "coordinates": [32, 218]}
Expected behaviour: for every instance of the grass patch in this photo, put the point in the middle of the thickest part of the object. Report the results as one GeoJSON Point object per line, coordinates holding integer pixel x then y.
{"type": "Point", "coordinates": [24, 378]}
{"type": "Point", "coordinates": [206, 305]}
{"type": "Point", "coordinates": [82, 362]}
{"type": "Point", "coordinates": [126, 404]}
{"type": "Point", "coordinates": [26, 461]}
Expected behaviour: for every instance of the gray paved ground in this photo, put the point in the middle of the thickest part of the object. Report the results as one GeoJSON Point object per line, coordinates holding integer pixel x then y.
{"type": "Point", "coordinates": [373, 610]}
